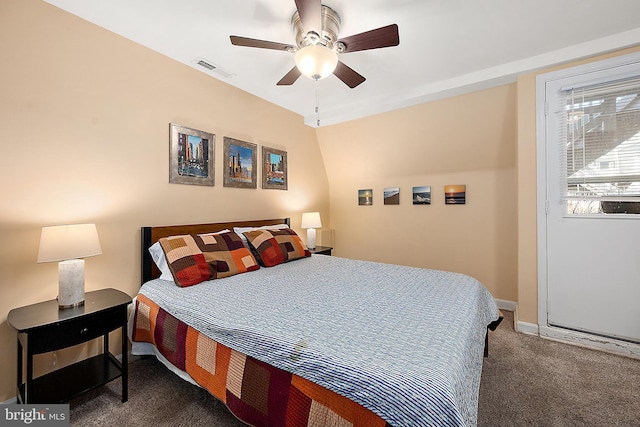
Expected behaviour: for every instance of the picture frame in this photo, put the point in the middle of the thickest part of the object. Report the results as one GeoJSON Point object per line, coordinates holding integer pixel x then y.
{"type": "Point", "coordinates": [455, 194]}
{"type": "Point", "coordinates": [191, 156]}
{"type": "Point", "coordinates": [274, 169]}
{"type": "Point", "coordinates": [365, 197]}
{"type": "Point", "coordinates": [240, 163]}
{"type": "Point", "coordinates": [422, 195]}
{"type": "Point", "coordinates": [391, 196]}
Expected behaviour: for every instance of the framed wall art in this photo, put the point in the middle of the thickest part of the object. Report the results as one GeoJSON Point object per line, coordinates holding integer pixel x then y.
{"type": "Point", "coordinates": [191, 156]}
{"type": "Point", "coordinates": [240, 163]}
{"type": "Point", "coordinates": [422, 195]}
{"type": "Point", "coordinates": [365, 197]}
{"type": "Point", "coordinates": [274, 169]}
{"type": "Point", "coordinates": [455, 194]}
{"type": "Point", "coordinates": [392, 196]}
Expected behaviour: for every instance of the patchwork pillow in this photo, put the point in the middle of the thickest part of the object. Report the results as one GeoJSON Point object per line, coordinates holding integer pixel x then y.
{"type": "Point", "coordinates": [157, 254]}
{"type": "Point", "coordinates": [194, 259]}
{"type": "Point", "coordinates": [226, 254]}
{"type": "Point", "coordinates": [241, 230]}
{"type": "Point", "coordinates": [273, 247]}
{"type": "Point", "coordinates": [185, 260]}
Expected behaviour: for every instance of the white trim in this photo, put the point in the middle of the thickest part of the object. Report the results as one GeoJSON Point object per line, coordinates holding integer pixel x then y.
{"type": "Point", "coordinates": [541, 82]}
{"type": "Point", "coordinates": [541, 203]}
{"type": "Point", "coordinates": [527, 328]}
{"type": "Point", "coordinates": [595, 342]}
{"type": "Point", "coordinates": [504, 304]}
{"type": "Point", "coordinates": [10, 401]}
{"type": "Point", "coordinates": [470, 82]}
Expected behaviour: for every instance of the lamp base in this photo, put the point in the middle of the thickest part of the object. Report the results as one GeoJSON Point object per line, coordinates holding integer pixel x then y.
{"type": "Point", "coordinates": [70, 283]}
{"type": "Point", "coordinates": [64, 307]}
{"type": "Point", "coordinates": [311, 238]}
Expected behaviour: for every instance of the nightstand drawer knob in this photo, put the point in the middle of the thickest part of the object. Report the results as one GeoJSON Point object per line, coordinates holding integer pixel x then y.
{"type": "Point", "coordinates": [84, 331]}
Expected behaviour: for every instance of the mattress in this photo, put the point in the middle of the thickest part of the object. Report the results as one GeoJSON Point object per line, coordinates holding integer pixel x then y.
{"type": "Point", "coordinates": [405, 343]}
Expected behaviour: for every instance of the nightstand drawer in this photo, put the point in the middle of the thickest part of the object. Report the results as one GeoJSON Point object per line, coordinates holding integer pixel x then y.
{"type": "Point", "coordinates": [75, 331]}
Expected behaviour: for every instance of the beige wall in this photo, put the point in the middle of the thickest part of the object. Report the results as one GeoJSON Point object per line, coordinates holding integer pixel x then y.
{"type": "Point", "coordinates": [468, 139]}
{"type": "Point", "coordinates": [85, 122]}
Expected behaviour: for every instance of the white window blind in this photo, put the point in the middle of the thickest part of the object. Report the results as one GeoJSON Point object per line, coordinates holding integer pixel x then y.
{"type": "Point", "coordinates": [600, 124]}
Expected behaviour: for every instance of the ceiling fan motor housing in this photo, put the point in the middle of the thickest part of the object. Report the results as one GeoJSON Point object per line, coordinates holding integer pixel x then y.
{"type": "Point", "coordinates": [329, 32]}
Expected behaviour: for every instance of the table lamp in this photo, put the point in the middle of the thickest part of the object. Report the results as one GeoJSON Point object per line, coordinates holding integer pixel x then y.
{"type": "Point", "coordinates": [311, 221]}
{"type": "Point", "coordinates": [68, 244]}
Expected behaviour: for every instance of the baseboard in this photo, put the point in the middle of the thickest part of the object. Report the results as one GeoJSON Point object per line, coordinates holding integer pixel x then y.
{"type": "Point", "coordinates": [506, 304]}
{"type": "Point", "coordinates": [527, 328]}
{"type": "Point", "coordinates": [567, 336]}
{"type": "Point", "coordinates": [10, 401]}
{"type": "Point", "coordinates": [594, 342]}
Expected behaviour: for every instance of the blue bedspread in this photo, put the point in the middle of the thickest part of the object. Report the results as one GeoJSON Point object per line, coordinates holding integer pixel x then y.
{"type": "Point", "coordinates": [405, 342]}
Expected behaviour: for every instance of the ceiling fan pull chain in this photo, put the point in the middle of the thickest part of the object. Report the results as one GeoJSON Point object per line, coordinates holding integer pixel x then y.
{"type": "Point", "coordinates": [317, 104]}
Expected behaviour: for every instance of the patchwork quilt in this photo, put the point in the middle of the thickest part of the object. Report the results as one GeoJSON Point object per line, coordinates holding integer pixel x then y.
{"type": "Point", "coordinates": [328, 341]}
{"type": "Point", "coordinates": [256, 393]}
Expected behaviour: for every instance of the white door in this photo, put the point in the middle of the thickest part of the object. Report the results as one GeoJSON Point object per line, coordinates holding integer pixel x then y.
{"type": "Point", "coordinates": [592, 133]}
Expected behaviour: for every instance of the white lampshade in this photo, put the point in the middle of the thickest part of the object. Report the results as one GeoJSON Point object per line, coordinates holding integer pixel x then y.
{"type": "Point", "coordinates": [68, 243]}
{"type": "Point", "coordinates": [63, 242]}
{"type": "Point", "coordinates": [316, 61]}
{"type": "Point", "coordinates": [311, 220]}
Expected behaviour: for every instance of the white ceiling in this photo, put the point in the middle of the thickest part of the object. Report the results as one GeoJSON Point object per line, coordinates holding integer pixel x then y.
{"type": "Point", "coordinates": [447, 47]}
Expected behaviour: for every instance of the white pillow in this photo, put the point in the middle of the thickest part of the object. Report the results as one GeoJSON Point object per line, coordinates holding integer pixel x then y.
{"type": "Point", "coordinates": [161, 261]}
{"type": "Point", "coordinates": [240, 230]}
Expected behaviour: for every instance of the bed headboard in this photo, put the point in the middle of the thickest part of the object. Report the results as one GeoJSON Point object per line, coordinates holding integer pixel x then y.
{"type": "Point", "coordinates": [150, 235]}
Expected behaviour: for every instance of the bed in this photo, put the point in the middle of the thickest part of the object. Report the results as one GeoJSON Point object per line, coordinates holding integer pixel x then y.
{"type": "Point", "coordinates": [312, 340]}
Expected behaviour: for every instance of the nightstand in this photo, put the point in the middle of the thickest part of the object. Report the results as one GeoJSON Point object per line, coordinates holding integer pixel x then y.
{"type": "Point", "coordinates": [321, 250]}
{"type": "Point", "coordinates": [44, 328]}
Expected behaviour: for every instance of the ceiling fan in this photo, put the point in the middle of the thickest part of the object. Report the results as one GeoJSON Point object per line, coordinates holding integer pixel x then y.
{"type": "Point", "coordinates": [316, 28]}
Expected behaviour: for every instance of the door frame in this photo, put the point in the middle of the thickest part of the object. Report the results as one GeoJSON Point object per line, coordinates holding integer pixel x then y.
{"type": "Point", "coordinates": [544, 329]}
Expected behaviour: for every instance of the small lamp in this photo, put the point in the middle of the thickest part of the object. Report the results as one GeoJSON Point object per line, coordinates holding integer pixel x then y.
{"type": "Point", "coordinates": [311, 221]}
{"type": "Point", "coordinates": [67, 244]}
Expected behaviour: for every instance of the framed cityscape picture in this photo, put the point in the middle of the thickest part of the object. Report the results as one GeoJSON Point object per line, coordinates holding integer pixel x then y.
{"type": "Point", "coordinates": [274, 169]}
{"type": "Point", "coordinates": [191, 156]}
{"type": "Point", "coordinates": [239, 163]}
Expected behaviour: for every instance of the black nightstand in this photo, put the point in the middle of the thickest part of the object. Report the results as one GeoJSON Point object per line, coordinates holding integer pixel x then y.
{"type": "Point", "coordinates": [44, 328]}
{"type": "Point", "coordinates": [322, 250]}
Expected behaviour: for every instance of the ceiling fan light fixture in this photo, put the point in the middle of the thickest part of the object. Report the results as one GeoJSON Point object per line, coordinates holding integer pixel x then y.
{"type": "Point", "coordinates": [316, 61]}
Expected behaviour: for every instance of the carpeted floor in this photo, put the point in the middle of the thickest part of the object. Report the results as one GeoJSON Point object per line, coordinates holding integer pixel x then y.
{"type": "Point", "coordinates": [526, 381]}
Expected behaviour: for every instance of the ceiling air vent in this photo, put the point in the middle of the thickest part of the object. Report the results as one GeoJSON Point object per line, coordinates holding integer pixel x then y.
{"type": "Point", "coordinates": [213, 68]}
{"type": "Point", "coordinates": [206, 65]}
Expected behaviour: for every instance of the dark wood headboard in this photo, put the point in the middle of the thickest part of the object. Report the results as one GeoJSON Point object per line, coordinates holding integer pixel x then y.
{"type": "Point", "coordinates": [150, 235]}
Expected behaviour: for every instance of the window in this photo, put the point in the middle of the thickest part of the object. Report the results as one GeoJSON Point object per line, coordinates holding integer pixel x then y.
{"type": "Point", "coordinates": [600, 125]}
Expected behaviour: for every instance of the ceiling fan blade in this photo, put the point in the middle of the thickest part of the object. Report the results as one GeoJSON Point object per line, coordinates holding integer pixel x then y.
{"type": "Point", "coordinates": [310, 12]}
{"type": "Point", "coordinates": [347, 75]}
{"type": "Point", "coordinates": [374, 39]}
{"type": "Point", "coordinates": [290, 78]}
{"type": "Point", "coordinates": [262, 44]}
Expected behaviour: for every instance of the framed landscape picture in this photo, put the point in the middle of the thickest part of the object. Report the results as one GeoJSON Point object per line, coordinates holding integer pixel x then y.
{"type": "Point", "coordinates": [392, 196]}
{"type": "Point", "coordinates": [191, 156]}
{"type": "Point", "coordinates": [240, 163]}
{"type": "Point", "coordinates": [274, 169]}
{"type": "Point", "coordinates": [365, 197]}
{"type": "Point", "coordinates": [455, 194]}
{"type": "Point", "coordinates": [422, 195]}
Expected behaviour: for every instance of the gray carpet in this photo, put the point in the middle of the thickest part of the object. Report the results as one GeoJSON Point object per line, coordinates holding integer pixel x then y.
{"type": "Point", "coordinates": [526, 381]}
